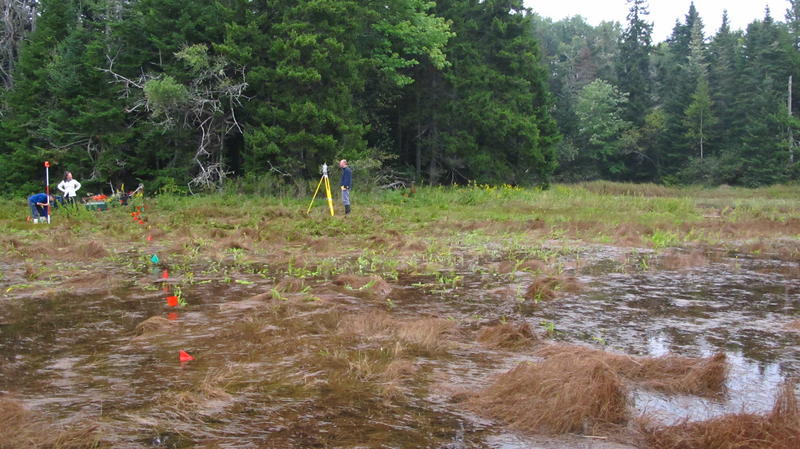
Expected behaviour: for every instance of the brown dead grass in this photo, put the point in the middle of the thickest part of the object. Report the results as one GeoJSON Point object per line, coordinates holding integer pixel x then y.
{"type": "Point", "coordinates": [629, 234]}
{"type": "Point", "coordinates": [793, 326]}
{"type": "Point", "coordinates": [546, 288]}
{"type": "Point", "coordinates": [428, 334]}
{"type": "Point", "coordinates": [290, 284]}
{"type": "Point", "coordinates": [30, 273]}
{"type": "Point", "coordinates": [11, 243]}
{"type": "Point", "coordinates": [153, 325]}
{"type": "Point", "coordinates": [90, 250]}
{"type": "Point", "coordinates": [669, 373]}
{"type": "Point", "coordinates": [210, 393]}
{"type": "Point", "coordinates": [23, 429]}
{"type": "Point", "coordinates": [97, 279]}
{"type": "Point", "coordinates": [371, 324]}
{"type": "Point", "coordinates": [555, 396]}
{"type": "Point", "coordinates": [352, 280]}
{"type": "Point", "coordinates": [373, 287]}
{"type": "Point", "coordinates": [534, 265]}
{"type": "Point", "coordinates": [675, 260]}
{"type": "Point", "coordinates": [425, 334]}
{"type": "Point", "coordinates": [779, 429]}
{"type": "Point", "coordinates": [507, 336]}
{"type": "Point", "coordinates": [399, 369]}
{"type": "Point", "coordinates": [233, 243]}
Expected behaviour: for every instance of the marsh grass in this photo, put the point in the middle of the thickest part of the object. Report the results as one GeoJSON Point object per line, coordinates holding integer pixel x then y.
{"type": "Point", "coordinates": [674, 260]}
{"type": "Point", "coordinates": [153, 325]}
{"type": "Point", "coordinates": [556, 396]}
{"type": "Point", "coordinates": [23, 429]}
{"type": "Point", "coordinates": [778, 429]}
{"type": "Point", "coordinates": [546, 288]}
{"type": "Point", "coordinates": [669, 373]}
{"type": "Point", "coordinates": [622, 212]}
{"type": "Point", "coordinates": [337, 354]}
{"type": "Point", "coordinates": [422, 336]}
{"type": "Point", "coordinates": [508, 336]}
{"type": "Point", "coordinates": [793, 326]}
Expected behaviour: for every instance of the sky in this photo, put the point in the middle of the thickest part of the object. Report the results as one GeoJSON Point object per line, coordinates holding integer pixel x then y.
{"type": "Point", "coordinates": [663, 13]}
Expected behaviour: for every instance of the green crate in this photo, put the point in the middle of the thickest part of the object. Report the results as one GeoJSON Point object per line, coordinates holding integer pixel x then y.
{"type": "Point", "coordinates": [97, 205]}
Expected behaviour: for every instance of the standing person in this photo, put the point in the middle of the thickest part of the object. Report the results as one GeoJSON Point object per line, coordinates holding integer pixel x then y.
{"type": "Point", "coordinates": [347, 183]}
{"type": "Point", "coordinates": [69, 187]}
{"type": "Point", "coordinates": [38, 204]}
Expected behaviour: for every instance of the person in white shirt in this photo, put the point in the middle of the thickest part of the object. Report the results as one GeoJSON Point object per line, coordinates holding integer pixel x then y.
{"type": "Point", "coordinates": [69, 187]}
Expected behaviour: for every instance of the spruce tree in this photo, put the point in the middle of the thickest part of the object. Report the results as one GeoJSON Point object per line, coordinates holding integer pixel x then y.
{"type": "Point", "coordinates": [633, 68]}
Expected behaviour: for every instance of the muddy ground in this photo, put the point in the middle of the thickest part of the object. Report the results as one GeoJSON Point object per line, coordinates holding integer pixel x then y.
{"type": "Point", "coordinates": [455, 334]}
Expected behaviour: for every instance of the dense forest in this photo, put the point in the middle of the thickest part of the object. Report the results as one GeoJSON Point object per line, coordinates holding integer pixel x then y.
{"type": "Point", "coordinates": [184, 94]}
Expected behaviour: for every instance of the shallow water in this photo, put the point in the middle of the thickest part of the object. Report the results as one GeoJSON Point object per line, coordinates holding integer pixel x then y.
{"type": "Point", "coordinates": [75, 356]}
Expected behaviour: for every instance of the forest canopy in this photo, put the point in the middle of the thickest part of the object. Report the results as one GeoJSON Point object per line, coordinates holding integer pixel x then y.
{"type": "Point", "coordinates": [194, 94]}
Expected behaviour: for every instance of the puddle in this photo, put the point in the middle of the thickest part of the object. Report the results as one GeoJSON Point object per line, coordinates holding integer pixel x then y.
{"type": "Point", "coordinates": [71, 355]}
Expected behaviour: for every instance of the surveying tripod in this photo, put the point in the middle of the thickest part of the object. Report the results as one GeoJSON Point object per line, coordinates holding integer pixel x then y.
{"type": "Point", "coordinates": [327, 190]}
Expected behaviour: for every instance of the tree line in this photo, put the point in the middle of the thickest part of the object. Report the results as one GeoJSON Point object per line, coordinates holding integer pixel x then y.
{"type": "Point", "coordinates": [696, 108]}
{"type": "Point", "coordinates": [187, 94]}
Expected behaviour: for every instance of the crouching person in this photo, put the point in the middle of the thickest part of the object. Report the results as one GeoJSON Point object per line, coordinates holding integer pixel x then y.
{"type": "Point", "coordinates": [39, 206]}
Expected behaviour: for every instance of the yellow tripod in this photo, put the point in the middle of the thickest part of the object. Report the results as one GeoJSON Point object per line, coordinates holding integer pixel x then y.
{"type": "Point", "coordinates": [327, 190]}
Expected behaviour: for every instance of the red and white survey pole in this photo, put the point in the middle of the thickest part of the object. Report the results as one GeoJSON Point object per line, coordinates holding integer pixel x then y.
{"type": "Point", "coordinates": [47, 187]}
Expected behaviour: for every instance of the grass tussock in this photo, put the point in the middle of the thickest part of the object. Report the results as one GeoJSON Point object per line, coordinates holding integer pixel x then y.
{"type": "Point", "coordinates": [371, 324]}
{"type": "Point", "coordinates": [207, 395]}
{"type": "Point", "coordinates": [779, 429]}
{"type": "Point", "coordinates": [556, 396]}
{"type": "Point", "coordinates": [533, 265]}
{"type": "Point", "coordinates": [629, 234]}
{"type": "Point", "coordinates": [398, 370]}
{"type": "Point", "coordinates": [154, 325]}
{"type": "Point", "coordinates": [428, 334]}
{"type": "Point", "coordinates": [425, 334]}
{"type": "Point", "coordinates": [233, 243]}
{"type": "Point", "coordinates": [669, 373]}
{"type": "Point", "coordinates": [675, 260]}
{"type": "Point", "coordinates": [507, 336]}
{"type": "Point", "coordinates": [23, 429]}
{"type": "Point", "coordinates": [373, 285]}
{"type": "Point", "coordinates": [90, 250]}
{"type": "Point", "coordinates": [546, 288]}
{"type": "Point", "coordinates": [291, 284]}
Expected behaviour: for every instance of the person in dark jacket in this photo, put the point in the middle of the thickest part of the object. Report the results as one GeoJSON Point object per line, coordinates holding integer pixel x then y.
{"type": "Point", "coordinates": [347, 184]}
{"type": "Point", "coordinates": [39, 206]}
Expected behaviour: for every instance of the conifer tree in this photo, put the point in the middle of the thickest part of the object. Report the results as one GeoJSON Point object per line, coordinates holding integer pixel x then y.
{"type": "Point", "coordinates": [633, 68]}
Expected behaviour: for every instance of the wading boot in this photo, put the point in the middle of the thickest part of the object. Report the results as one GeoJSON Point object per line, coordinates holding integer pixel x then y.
{"type": "Point", "coordinates": [347, 209]}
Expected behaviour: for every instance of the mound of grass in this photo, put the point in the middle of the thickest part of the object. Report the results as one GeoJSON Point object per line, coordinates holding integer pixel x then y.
{"type": "Point", "coordinates": [779, 429]}
{"type": "Point", "coordinates": [555, 396]}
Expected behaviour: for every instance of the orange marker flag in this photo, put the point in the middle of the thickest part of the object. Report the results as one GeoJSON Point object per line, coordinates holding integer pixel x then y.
{"type": "Point", "coordinates": [172, 301]}
{"type": "Point", "coordinates": [184, 356]}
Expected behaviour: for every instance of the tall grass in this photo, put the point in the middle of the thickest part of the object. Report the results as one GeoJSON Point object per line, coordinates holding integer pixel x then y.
{"type": "Point", "coordinates": [582, 210]}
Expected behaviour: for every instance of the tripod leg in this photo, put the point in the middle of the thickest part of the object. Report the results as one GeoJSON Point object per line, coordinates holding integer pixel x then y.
{"type": "Point", "coordinates": [315, 195]}
{"type": "Point", "coordinates": [328, 192]}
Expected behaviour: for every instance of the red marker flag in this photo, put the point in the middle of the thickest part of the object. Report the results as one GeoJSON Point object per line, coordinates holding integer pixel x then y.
{"type": "Point", "coordinates": [149, 238]}
{"type": "Point", "coordinates": [172, 301]}
{"type": "Point", "coordinates": [172, 316]}
{"type": "Point", "coordinates": [165, 274]}
{"type": "Point", "coordinates": [184, 356]}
